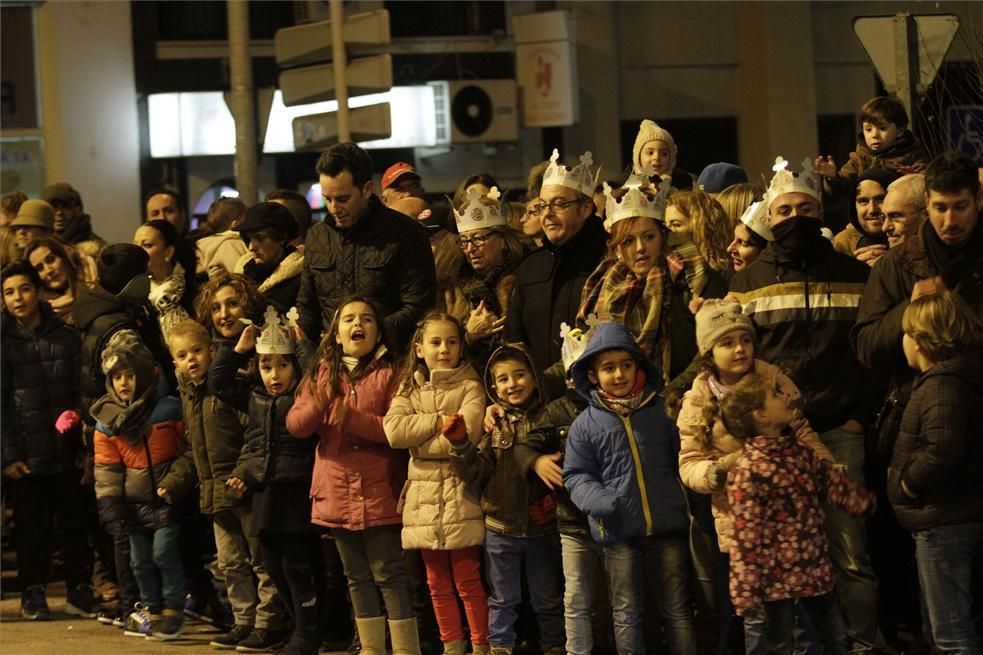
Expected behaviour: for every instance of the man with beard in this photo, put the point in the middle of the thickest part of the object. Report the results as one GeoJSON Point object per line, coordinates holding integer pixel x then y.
{"type": "Point", "coordinates": [802, 296]}
{"type": "Point", "coordinates": [865, 237]}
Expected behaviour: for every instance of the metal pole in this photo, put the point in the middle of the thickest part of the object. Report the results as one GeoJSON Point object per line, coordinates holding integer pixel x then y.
{"type": "Point", "coordinates": [243, 100]}
{"type": "Point", "coordinates": [906, 62]}
{"type": "Point", "coordinates": [340, 64]}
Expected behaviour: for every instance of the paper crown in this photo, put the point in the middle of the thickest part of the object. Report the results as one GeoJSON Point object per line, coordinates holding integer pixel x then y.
{"type": "Point", "coordinates": [635, 202]}
{"type": "Point", "coordinates": [755, 218]}
{"type": "Point", "coordinates": [477, 214]}
{"type": "Point", "coordinates": [785, 181]}
{"type": "Point", "coordinates": [276, 336]}
{"type": "Point", "coordinates": [574, 341]}
{"type": "Point", "coordinates": [580, 178]}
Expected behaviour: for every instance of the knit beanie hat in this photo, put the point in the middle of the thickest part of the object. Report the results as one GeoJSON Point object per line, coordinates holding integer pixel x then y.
{"type": "Point", "coordinates": [125, 350]}
{"type": "Point", "coordinates": [650, 131]}
{"type": "Point", "coordinates": [717, 317]}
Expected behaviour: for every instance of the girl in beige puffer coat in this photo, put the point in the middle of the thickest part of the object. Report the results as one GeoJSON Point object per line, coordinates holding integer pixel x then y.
{"type": "Point", "coordinates": [441, 394]}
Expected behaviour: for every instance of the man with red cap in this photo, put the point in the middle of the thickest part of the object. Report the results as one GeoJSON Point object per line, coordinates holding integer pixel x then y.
{"type": "Point", "coordinates": [400, 181]}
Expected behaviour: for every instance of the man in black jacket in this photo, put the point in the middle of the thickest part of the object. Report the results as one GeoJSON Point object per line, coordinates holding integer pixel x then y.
{"type": "Point", "coordinates": [802, 296]}
{"type": "Point", "coordinates": [550, 280]}
{"type": "Point", "coordinates": [363, 248]}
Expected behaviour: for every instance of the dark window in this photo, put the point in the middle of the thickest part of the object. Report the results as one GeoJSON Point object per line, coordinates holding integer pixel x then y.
{"type": "Point", "coordinates": [445, 18]}
{"type": "Point", "coordinates": [700, 141]}
{"type": "Point", "coordinates": [207, 20]}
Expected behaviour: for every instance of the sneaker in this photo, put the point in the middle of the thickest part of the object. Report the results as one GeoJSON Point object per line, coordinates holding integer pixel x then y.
{"type": "Point", "coordinates": [169, 626]}
{"type": "Point", "coordinates": [106, 591]}
{"type": "Point", "coordinates": [231, 639]}
{"type": "Point", "coordinates": [137, 621]}
{"type": "Point", "coordinates": [33, 604]}
{"type": "Point", "coordinates": [81, 602]}
{"type": "Point", "coordinates": [107, 616]}
{"type": "Point", "coordinates": [261, 640]}
{"type": "Point", "coordinates": [210, 610]}
{"type": "Point", "coordinates": [499, 650]}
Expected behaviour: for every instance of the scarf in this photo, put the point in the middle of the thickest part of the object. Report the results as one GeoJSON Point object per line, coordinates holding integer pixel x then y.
{"type": "Point", "coordinates": [61, 304]}
{"type": "Point", "coordinates": [166, 299]}
{"type": "Point", "coordinates": [616, 295]}
{"type": "Point", "coordinates": [952, 263]}
{"type": "Point", "coordinates": [131, 421]}
{"type": "Point", "coordinates": [627, 404]}
{"type": "Point", "coordinates": [717, 388]}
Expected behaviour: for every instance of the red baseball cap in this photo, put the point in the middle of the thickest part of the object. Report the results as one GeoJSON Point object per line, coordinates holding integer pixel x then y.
{"type": "Point", "coordinates": [395, 172]}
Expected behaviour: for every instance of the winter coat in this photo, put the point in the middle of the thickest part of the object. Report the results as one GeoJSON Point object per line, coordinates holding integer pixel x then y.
{"type": "Point", "coordinates": [440, 512]}
{"type": "Point", "coordinates": [939, 451]}
{"type": "Point", "coordinates": [385, 255]}
{"type": "Point", "coordinates": [280, 287]}
{"type": "Point", "coordinates": [40, 380]}
{"type": "Point", "coordinates": [803, 316]}
{"type": "Point", "coordinates": [357, 475]}
{"type": "Point", "coordinates": [622, 471]}
{"type": "Point", "coordinates": [220, 252]}
{"type": "Point", "coordinates": [127, 481]}
{"type": "Point", "coordinates": [906, 155]}
{"type": "Point", "coordinates": [215, 432]}
{"type": "Point", "coordinates": [855, 235]}
{"type": "Point", "coordinates": [696, 462]}
{"type": "Point", "coordinates": [549, 283]}
{"type": "Point", "coordinates": [776, 491]}
{"type": "Point", "coordinates": [269, 453]}
{"type": "Point", "coordinates": [472, 290]}
{"type": "Point", "coordinates": [514, 503]}
{"type": "Point", "coordinates": [547, 435]}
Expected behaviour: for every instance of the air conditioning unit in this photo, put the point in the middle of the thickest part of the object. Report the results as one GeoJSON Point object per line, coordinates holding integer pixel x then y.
{"type": "Point", "coordinates": [476, 111]}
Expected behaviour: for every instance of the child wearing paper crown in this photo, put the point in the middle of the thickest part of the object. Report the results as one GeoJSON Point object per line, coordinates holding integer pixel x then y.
{"type": "Point", "coordinates": [441, 400]}
{"type": "Point", "coordinates": [621, 469]}
{"type": "Point", "coordinates": [776, 491]}
{"type": "Point", "coordinates": [273, 465]}
{"type": "Point", "coordinates": [143, 466]}
{"type": "Point", "coordinates": [725, 338]}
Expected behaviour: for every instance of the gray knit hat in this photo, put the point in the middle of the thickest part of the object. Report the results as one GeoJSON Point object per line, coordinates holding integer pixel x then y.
{"type": "Point", "coordinates": [717, 317]}
{"type": "Point", "coordinates": [650, 131]}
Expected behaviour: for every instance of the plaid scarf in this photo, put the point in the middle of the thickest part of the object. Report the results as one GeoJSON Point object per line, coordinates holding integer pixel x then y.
{"type": "Point", "coordinates": [616, 295]}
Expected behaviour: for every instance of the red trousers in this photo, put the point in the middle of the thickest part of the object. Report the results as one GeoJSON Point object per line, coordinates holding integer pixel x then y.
{"type": "Point", "coordinates": [453, 573]}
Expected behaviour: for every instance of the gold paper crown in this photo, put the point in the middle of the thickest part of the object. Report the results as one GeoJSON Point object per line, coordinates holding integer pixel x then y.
{"type": "Point", "coordinates": [477, 214]}
{"type": "Point", "coordinates": [635, 202]}
{"type": "Point", "coordinates": [574, 341]}
{"type": "Point", "coordinates": [755, 218]}
{"type": "Point", "coordinates": [580, 178]}
{"type": "Point", "coordinates": [276, 337]}
{"type": "Point", "coordinates": [785, 181]}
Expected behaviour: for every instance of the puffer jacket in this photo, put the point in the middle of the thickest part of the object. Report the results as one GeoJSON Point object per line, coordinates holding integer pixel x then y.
{"type": "Point", "coordinates": [803, 313]}
{"type": "Point", "coordinates": [357, 475]}
{"type": "Point", "coordinates": [622, 471]}
{"type": "Point", "coordinates": [269, 453]}
{"type": "Point", "coordinates": [906, 153]}
{"type": "Point", "coordinates": [385, 255]}
{"type": "Point", "coordinates": [215, 432]}
{"type": "Point", "coordinates": [696, 460]}
{"type": "Point", "coordinates": [440, 512]}
{"type": "Point", "coordinates": [128, 473]}
{"type": "Point", "coordinates": [40, 380]}
{"type": "Point", "coordinates": [514, 503]}
{"type": "Point", "coordinates": [939, 452]}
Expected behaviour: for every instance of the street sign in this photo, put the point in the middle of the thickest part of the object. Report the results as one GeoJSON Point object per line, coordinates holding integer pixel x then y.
{"type": "Point", "coordinates": [301, 86]}
{"type": "Point", "coordinates": [319, 131]}
{"type": "Point", "coordinates": [965, 131]}
{"type": "Point", "coordinates": [306, 44]}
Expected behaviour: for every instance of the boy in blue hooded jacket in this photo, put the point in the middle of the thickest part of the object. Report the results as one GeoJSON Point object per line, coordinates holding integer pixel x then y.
{"type": "Point", "coordinates": [621, 469]}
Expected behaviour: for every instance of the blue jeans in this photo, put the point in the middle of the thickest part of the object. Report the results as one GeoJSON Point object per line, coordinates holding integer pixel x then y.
{"type": "Point", "coordinates": [156, 553]}
{"type": "Point", "coordinates": [945, 557]}
{"type": "Point", "coordinates": [667, 570]}
{"type": "Point", "coordinates": [856, 583]}
{"type": "Point", "coordinates": [623, 564]}
{"type": "Point", "coordinates": [503, 559]}
{"type": "Point", "coordinates": [824, 613]}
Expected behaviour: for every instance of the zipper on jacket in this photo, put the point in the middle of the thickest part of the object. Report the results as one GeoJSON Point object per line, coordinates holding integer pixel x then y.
{"type": "Point", "coordinates": [639, 474]}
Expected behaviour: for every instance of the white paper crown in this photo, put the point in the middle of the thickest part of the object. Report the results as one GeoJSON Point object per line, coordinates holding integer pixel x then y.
{"type": "Point", "coordinates": [755, 218]}
{"type": "Point", "coordinates": [477, 214]}
{"type": "Point", "coordinates": [580, 178]}
{"type": "Point", "coordinates": [574, 341]}
{"type": "Point", "coordinates": [635, 202]}
{"type": "Point", "coordinates": [785, 181]}
{"type": "Point", "coordinates": [276, 336]}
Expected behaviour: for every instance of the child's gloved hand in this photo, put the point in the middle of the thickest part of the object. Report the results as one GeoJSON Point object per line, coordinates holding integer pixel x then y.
{"type": "Point", "coordinates": [716, 478]}
{"type": "Point", "coordinates": [67, 420]}
{"type": "Point", "coordinates": [455, 430]}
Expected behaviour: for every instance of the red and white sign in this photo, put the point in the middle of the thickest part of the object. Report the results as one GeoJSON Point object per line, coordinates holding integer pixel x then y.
{"type": "Point", "coordinates": [546, 69]}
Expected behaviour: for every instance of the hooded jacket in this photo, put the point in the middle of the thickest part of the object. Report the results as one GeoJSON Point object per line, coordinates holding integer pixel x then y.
{"type": "Point", "coordinates": [440, 512]}
{"type": "Point", "coordinates": [549, 284]}
{"type": "Point", "coordinates": [279, 287]}
{"type": "Point", "coordinates": [854, 235]}
{"type": "Point", "coordinates": [220, 252]}
{"type": "Point", "coordinates": [40, 380]}
{"type": "Point", "coordinates": [623, 471]}
{"type": "Point", "coordinates": [906, 155]}
{"type": "Point", "coordinates": [939, 451]}
{"type": "Point", "coordinates": [515, 502]}
{"type": "Point", "coordinates": [803, 313]}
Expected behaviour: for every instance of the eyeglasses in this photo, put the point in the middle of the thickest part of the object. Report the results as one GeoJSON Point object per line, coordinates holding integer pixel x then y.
{"type": "Point", "coordinates": [477, 240]}
{"type": "Point", "coordinates": [551, 206]}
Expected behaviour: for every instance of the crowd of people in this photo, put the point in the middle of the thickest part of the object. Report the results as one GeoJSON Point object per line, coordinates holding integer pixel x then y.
{"type": "Point", "coordinates": [667, 412]}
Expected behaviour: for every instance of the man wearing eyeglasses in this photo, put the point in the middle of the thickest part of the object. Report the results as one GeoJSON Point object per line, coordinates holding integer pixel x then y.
{"type": "Point", "coordinates": [550, 279]}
